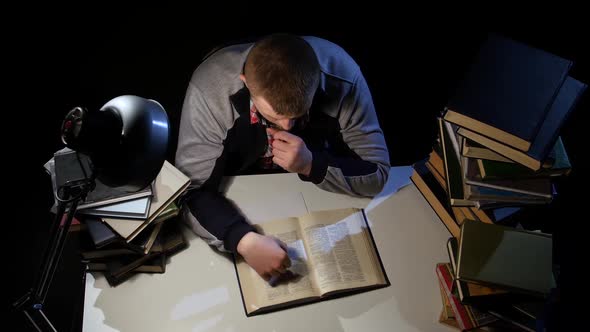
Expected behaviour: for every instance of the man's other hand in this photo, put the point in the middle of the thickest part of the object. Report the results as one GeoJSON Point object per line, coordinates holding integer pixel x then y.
{"type": "Point", "coordinates": [290, 152]}
{"type": "Point", "coordinates": [266, 255]}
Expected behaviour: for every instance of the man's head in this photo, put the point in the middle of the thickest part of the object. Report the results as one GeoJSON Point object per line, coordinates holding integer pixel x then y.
{"type": "Point", "coordinates": [282, 73]}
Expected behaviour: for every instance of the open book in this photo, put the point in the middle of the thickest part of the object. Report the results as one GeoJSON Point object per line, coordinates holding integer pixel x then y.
{"type": "Point", "coordinates": [332, 254]}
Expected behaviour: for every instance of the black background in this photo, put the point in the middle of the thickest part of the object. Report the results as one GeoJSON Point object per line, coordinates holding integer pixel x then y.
{"type": "Point", "coordinates": [56, 62]}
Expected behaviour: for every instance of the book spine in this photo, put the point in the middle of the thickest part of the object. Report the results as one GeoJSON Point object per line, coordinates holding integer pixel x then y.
{"type": "Point", "coordinates": [461, 314]}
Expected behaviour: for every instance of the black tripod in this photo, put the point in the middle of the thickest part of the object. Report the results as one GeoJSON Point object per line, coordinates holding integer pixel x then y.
{"type": "Point", "coordinates": [31, 304]}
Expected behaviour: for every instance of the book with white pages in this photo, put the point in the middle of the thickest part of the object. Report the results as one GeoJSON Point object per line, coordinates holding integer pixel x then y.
{"type": "Point", "coordinates": [136, 208]}
{"type": "Point", "coordinates": [168, 185]}
{"type": "Point", "coordinates": [126, 226]}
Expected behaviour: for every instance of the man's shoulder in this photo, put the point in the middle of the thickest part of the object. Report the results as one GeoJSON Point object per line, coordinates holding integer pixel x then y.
{"type": "Point", "coordinates": [221, 66]}
{"type": "Point", "coordinates": [335, 61]}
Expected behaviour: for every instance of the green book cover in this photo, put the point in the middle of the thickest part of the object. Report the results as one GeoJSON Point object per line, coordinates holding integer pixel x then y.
{"type": "Point", "coordinates": [453, 170]}
{"type": "Point", "coordinates": [558, 159]}
{"type": "Point", "coordinates": [506, 257]}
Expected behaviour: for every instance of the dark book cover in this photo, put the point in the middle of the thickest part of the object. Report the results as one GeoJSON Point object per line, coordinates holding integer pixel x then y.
{"type": "Point", "coordinates": [563, 105]}
{"type": "Point", "coordinates": [154, 265]}
{"type": "Point", "coordinates": [540, 186]}
{"type": "Point", "coordinates": [477, 294]}
{"type": "Point", "coordinates": [499, 256]}
{"type": "Point", "coordinates": [511, 315]}
{"type": "Point", "coordinates": [123, 267]}
{"type": "Point", "coordinates": [106, 242]}
{"type": "Point", "coordinates": [169, 241]}
{"type": "Point", "coordinates": [435, 195]}
{"type": "Point", "coordinates": [453, 170]}
{"type": "Point", "coordinates": [100, 233]}
{"type": "Point", "coordinates": [560, 165]}
{"type": "Point", "coordinates": [511, 87]}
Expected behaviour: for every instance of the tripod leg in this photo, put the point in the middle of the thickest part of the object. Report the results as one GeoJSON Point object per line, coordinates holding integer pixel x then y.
{"type": "Point", "coordinates": [56, 248]}
{"type": "Point", "coordinates": [31, 304]}
{"type": "Point", "coordinates": [39, 320]}
{"type": "Point", "coordinates": [51, 246]}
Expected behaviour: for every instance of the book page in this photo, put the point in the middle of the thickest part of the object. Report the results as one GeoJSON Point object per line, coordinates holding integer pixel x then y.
{"type": "Point", "coordinates": [258, 293]}
{"type": "Point", "coordinates": [341, 250]}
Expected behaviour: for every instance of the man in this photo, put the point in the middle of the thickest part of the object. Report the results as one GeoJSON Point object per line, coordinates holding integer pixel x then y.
{"type": "Point", "coordinates": [285, 103]}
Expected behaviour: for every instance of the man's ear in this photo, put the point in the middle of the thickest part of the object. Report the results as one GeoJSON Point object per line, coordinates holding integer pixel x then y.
{"type": "Point", "coordinates": [243, 79]}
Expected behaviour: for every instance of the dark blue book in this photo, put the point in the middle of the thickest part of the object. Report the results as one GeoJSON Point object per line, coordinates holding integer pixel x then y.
{"type": "Point", "coordinates": [547, 140]}
{"type": "Point", "coordinates": [508, 91]}
{"type": "Point", "coordinates": [564, 103]}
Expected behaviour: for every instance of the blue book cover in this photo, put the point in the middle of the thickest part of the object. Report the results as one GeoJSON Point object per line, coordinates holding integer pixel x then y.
{"type": "Point", "coordinates": [508, 91]}
{"type": "Point", "coordinates": [564, 103]}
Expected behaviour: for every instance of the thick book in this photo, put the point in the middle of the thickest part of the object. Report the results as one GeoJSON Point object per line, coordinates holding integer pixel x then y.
{"type": "Point", "coordinates": [475, 150]}
{"type": "Point", "coordinates": [541, 187]}
{"type": "Point", "coordinates": [517, 260]}
{"type": "Point", "coordinates": [462, 213]}
{"type": "Point", "coordinates": [435, 195]}
{"type": "Point", "coordinates": [480, 192]}
{"type": "Point", "coordinates": [452, 165]}
{"type": "Point", "coordinates": [565, 102]}
{"type": "Point", "coordinates": [332, 254]}
{"type": "Point", "coordinates": [105, 239]}
{"type": "Point", "coordinates": [508, 91]}
{"type": "Point", "coordinates": [169, 184]}
{"type": "Point", "coordinates": [560, 165]}
{"type": "Point", "coordinates": [468, 292]}
{"type": "Point", "coordinates": [466, 316]}
{"type": "Point", "coordinates": [125, 227]}
{"type": "Point", "coordinates": [121, 268]}
{"type": "Point", "coordinates": [548, 136]}
{"type": "Point", "coordinates": [170, 240]}
{"type": "Point", "coordinates": [155, 265]}
{"type": "Point", "coordinates": [134, 208]}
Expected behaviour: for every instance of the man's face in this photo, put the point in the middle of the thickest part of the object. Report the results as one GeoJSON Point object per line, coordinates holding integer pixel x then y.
{"type": "Point", "coordinates": [265, 109]}
{"type": "Point", "coordinates": [281, 122]}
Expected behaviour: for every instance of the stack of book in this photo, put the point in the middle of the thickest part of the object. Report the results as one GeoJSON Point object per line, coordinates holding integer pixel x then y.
{"type": "Point", "coordinates": [127, 233]}
{"type": "Point", "coordinates": [498, 277]}
{"type": "Point", "coordinates": [497, 156]}
{"type": "Point", "coordinates": [499, 148]}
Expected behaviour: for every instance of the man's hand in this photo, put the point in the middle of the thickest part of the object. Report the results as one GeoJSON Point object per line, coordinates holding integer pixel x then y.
{"type": "Point", "coordinates": [266, 255]}
{"type": "Point", "coordinates": [290, 152]}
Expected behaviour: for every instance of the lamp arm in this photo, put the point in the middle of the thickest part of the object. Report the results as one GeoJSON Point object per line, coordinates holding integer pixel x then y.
{"type": "Point", "coordinates": [32, 302]}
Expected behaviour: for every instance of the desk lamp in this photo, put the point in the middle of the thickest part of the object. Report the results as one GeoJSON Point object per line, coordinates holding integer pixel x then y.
{"type": "Point", "coordinates": [126, 142]}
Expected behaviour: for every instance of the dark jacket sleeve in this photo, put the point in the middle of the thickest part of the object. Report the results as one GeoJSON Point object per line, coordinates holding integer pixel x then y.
{"type": "Point", "coordinates": [201, 156]}
{"type": "Point", "coordinates": [211, 214]}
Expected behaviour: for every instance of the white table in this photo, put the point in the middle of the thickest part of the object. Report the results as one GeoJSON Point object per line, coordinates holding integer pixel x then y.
{"type": "Point", "coordinates": [199, 290]}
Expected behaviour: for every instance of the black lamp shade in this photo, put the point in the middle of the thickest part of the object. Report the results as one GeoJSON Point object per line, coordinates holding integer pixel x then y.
{"type": "Point", "coordinates": [127, 140]}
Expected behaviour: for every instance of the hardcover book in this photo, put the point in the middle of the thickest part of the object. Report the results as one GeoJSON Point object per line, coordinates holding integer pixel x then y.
{"type": "Point", "coordinates": [332, 254]}
{"type": "Point", "coordinates": [508, 91]}
{"type": "Point", "coordinates": [548, 137]}
{"type": "Point", "coordinates": [134, 208]}
{"type": "Point", "coordinates": [170, 240]}
{"type": "Point", "coordinates": [452, 165]}
{"type": "Point", "coordinates": [559, 161]}
{"type": "Point", "coordinates": [168, 186]}
{"type": "Point", "coordinates": [499, 256]}
{"type": "Point", "coordinates": [435, 195]}
{"type": "Point", "coordinates": [125, 227]}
